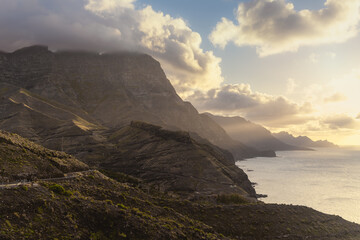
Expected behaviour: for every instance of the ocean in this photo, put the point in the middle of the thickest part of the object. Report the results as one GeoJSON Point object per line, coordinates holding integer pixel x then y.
{"type": "Point", "coordinates": [327, 180]}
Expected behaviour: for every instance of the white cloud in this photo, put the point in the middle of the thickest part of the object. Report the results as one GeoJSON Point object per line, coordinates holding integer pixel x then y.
{"type": "Point", "coordinates": [336, 97]}
{"type": "Point", "coordinates": [239, 99]}
{"type": "Point", "coordinates": [291, 85]}
{"type": "Point", "coordinates": [108, 5]}
{"type": "Point", "coordinates": [332, 55]}
{"type": "Point", "coordinates": [111, 25]}
{"type": "Point", "coordinates": [274, 26]}
{"type": "Point", "coordinates": [314, 58]}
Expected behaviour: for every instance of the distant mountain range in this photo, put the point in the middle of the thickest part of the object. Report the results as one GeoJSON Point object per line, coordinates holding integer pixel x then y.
{"type": "Point", "coordinates": [253, 134]}
{"type": "Point", "coordinates": [303, 141]}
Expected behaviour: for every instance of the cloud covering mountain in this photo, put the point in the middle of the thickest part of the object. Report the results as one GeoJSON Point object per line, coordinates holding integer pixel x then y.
{"type": "Point", "coordinates": [111, 25]}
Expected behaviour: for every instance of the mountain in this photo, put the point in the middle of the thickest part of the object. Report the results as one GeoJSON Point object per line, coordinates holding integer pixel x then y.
{"type": "Point", "coordinates": [252, 134]}
{"type": "Point", "coordinates": [69, 100]}
{"type": "Point", "coordinates": [91, 205]}
{"type": "Point", "coordinates": [303, 141]}
{"type": "Point", "coordinates": [175, 162]}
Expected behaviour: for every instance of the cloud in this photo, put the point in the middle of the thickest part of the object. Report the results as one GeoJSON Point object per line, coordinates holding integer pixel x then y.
{"type": "Point", "coordinates": [337, 97]}
{"type": "Point", "coordinates": [108, 5]}
{"type": "Point", "coordinates": [111, 25]}
{"type": "Point", "coordinates": [341, 121]}
{"type": "Point", "coordinates": [291, 85]}
{"type": "Point", "coordinates": [239, 99]}
{"type": "Point", "coordinates": [332, 55]}
{"type": "Point", "coordinates": [314, 58]}
{"type": "Point", "coordinates": [274, 26]}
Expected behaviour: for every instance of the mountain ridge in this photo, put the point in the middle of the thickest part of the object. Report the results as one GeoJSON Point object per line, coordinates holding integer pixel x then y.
{"type": "Point", "coordinates": [303, 141]}
{"type": "Point", "coordinates": [252, 134]}
{"type": "Point", "coordinates": [91, 205]}
{"type": "Point", "coordinates": [95, 92]}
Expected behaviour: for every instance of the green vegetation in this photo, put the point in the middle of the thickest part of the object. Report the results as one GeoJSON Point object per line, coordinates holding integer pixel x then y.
{"type": "Point", "coordinates": [120, 177]}
{"type": "Point", "coordinates": [58, 189]}
{"type": "Point", "coordinates": [231, 199]}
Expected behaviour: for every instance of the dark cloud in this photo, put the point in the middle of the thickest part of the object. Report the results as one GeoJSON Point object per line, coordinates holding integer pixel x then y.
{"type": "Point", "coordinates": [341, 121]}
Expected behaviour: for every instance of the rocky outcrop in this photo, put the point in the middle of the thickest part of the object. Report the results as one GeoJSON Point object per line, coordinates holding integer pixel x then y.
{"type": "Point", "coordinates": [63, 99]}
{"type": "Point", "coordinates": [22, 159]}
{"type": "Point", "coordinates": [252, 134]}
{"type": "Point", "coordinates": [175, 162]}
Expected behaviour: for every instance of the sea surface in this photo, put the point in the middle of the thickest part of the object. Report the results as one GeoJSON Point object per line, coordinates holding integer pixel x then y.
{"type": "Point", "coordinates": [327, 180]}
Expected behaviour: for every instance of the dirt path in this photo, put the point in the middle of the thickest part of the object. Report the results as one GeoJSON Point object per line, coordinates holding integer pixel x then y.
{"type": "Point", "coordinates": [67, 176]}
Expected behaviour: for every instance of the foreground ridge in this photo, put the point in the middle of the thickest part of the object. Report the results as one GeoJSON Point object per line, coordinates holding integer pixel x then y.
{"type": "Point", "coordinates": [91, 205]}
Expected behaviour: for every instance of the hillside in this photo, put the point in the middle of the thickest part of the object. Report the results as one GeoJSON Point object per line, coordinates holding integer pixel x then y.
{"type": "Point", "coordinates": [175, 162]}
{"type": "Point", "coordinates": [252, 134]}
{"type": "Point", "coordinates": [93, 206]}
{"type": "Point", "coordinates": [22, 159]}
{"type": "Point", "coordinates": [65, 100]}
{"type": "Point", "coordinates": [303, 141]}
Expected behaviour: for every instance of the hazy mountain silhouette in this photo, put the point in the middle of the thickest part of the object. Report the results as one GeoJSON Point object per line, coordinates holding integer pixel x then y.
{"type": "Point", "coordinates": [303, 141]}
{"type": "Point", "coordinates": [253, 134]}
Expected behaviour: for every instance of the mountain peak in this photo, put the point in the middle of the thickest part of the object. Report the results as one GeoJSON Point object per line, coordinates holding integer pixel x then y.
{"type": "Point", "coordinates": [303, 141]}
{"type": "Point", "coordinates": [35, 49]}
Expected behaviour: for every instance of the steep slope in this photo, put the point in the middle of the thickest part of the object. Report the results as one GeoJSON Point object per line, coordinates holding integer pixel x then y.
{"type": "Point", "coordinates": [175, 162]}
{"type": "Point", "coordinates": [22, 159]}
{"type": "Point", "coordinates": [91, 92]}
{"type": "Point", "coordinates": [252, 134]}
{"type": "Point", "coordinates": [93, 206]}
{"type": "Point", "coordinates": [96, 207]}
{"type": "Point", "coordinates": [303, 141]}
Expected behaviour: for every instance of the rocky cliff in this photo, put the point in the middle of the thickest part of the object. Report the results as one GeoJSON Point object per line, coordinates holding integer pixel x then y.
{"type": "Point", "coordinates": [175, 162]}
{"type": "Point", "coordinates": [65, 100]}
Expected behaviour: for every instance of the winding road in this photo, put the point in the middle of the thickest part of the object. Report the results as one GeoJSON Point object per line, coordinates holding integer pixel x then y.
{"type": "Point", "coordinates": [67, 176]}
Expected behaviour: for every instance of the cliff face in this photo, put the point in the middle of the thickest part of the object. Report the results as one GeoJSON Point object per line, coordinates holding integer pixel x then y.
{"type": "Point", "coordinates": [175, 162]}
{"type": "Point", "coordinates": [89, 92]}
{"type": "Point", "coordinates": [253, 135]}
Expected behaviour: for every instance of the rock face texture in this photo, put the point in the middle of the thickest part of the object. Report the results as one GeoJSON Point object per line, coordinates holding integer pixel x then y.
{"type": "Point", "coordinates": [253, 135]}
{"type": "Point", "coordinates": [303, 141]}
{"type": "Point", "coordinates": [175, 162]}
{"type": "Point", "coordinates": [66, 98]}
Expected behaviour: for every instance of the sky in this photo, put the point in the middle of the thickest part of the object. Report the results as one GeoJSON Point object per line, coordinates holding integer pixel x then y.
{"type": "Point", "coordinates": [290, 65]}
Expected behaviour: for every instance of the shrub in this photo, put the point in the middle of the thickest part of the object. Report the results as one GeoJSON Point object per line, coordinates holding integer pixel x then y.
{"type": "Point", "coordinates": [231, 199]}
{"type": "Point", "coordinates": [58, 189]}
